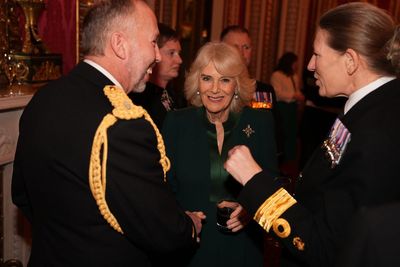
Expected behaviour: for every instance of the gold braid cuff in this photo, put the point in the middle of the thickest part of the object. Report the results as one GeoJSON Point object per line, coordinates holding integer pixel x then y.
{"type": "Point", "coordinates": [273, 208]}
{"type": "Point", "coordinates": [126, 110]}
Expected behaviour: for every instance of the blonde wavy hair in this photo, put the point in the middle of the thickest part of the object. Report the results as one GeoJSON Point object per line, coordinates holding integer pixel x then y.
{"type": "Point", "coordinates": [228, 62]}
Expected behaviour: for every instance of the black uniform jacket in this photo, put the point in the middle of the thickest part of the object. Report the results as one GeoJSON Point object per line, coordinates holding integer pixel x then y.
{"type": "Point", "coordinates": [265, 87]}
{"type": "Point", "coordinates": [373, 238]}
{"type": "Point", "coordinates": [150, 99]}
{"type": "Point", "coordinates": [50, 181]}
{"type": "Point", "coordinates": [327, 198]}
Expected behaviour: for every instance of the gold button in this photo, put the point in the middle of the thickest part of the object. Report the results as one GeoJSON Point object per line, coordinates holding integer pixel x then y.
{"type": "Point", "coordinates": [298, 243]}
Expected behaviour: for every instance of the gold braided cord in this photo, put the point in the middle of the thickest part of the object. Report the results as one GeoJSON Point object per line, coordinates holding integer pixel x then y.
{"type": "Point", "coordinates": [123, 109]}
{"type": "Point", "coordinates": [273, 208]}
{"type": "Point", "coordinates": [97, 174]}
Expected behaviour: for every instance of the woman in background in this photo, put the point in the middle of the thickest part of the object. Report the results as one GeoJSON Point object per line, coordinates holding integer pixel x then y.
{"type": "Point", "coordinates": [288, 94]}
{"type": "Point", "coordinates": [197, 140]}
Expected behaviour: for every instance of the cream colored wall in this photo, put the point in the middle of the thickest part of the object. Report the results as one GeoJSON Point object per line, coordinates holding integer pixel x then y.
{"type": "Point", "coordinates": [16, 231]}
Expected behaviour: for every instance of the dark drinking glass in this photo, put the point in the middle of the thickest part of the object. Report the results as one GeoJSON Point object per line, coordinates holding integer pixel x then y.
{"type": "Point", "coordinates": [223, 215]}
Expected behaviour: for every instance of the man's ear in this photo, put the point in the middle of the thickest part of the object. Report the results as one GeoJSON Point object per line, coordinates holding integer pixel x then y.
{"type": "Point", "coordinates": [352, 61]}
{"type": "Point", "coordinates": [119, 45]}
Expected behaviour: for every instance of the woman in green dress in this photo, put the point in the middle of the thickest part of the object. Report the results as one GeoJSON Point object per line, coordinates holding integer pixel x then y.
{"type": "Point", "coordinates": [197, 140]}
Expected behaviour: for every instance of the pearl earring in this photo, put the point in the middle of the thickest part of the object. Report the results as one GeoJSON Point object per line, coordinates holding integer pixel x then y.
{"type": "Point", "coordinates": [197, 93]}
{"type": "Point", "coordinates": [236, 96]}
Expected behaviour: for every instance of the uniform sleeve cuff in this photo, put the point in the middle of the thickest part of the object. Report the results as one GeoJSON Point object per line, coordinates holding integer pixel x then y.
{"type": "Point", "coordinates": [257, 190]}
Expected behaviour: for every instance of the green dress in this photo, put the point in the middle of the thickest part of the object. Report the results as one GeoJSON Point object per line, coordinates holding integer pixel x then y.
{"type": "Point", "coordinates": [199, 180]}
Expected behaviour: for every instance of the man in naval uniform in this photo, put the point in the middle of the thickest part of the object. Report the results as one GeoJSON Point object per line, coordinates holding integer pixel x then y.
{"type": "Point", "coordinates": [89, 171]}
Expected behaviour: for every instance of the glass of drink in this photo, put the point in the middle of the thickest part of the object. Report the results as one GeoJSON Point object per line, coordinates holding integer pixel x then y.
{"type": "Point", "coordinates": [224, 211]}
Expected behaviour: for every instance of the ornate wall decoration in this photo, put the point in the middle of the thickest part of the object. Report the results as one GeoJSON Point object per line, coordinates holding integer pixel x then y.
{"type": "Point", "coordinates": [24, 55]}
{"type": "Point", "coordinates": [33, 43]}
{"type": "Point", "coordinates": [10, 39]}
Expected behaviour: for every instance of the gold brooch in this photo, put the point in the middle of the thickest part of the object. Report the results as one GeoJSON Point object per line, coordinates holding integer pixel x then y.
{"type": "Point", "coordinates": [248, 131]}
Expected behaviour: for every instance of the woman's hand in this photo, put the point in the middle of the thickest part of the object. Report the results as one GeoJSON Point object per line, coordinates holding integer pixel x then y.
{"type": "Point", "coordinates": [239, 218]}
{"type": "Point", "coordinates": [241, 165]}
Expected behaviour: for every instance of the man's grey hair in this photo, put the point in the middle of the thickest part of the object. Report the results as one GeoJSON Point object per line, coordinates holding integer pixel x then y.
{"type": "Point", "coordinates": [102, 18]}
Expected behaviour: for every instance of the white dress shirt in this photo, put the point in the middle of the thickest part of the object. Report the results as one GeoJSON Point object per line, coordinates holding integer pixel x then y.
{"type": "Point", "coordinates": [104, 71]}
{"type": "Point", "coordinates": [362, 92]}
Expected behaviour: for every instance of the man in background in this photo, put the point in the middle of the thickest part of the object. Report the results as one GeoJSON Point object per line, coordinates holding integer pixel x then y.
{"type": "Point", "coordinates": [159, 97]}
{"type": "Point", "coordinates": [264, 96]}
{"type": "Point", "coordinates": [89, 171]}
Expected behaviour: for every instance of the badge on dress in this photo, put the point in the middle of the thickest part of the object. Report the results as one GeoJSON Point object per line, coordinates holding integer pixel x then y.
{"type": "Point", "coordinates": [336, 143]}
